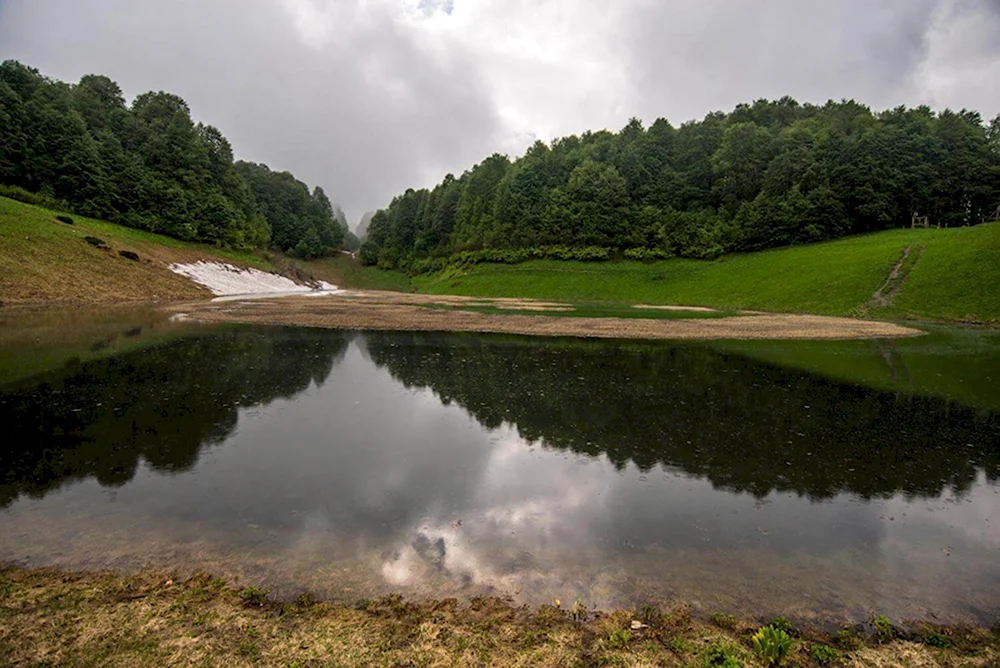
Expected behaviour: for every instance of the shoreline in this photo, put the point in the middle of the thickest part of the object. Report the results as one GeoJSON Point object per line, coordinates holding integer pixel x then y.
{"type": "Point", "coordinates": [377, 310]}
{"type": "Point", "coordinates": [56, 616]}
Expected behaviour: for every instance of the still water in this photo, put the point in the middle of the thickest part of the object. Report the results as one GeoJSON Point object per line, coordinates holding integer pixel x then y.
{"type": "Point", "coordinates": [816, 480]}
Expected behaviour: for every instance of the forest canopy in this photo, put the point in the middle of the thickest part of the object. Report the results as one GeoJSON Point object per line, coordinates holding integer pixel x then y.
{"type": "Point", "coordinates": [149, 165]}
{"type": "Point", "coordinates": [771, 173]}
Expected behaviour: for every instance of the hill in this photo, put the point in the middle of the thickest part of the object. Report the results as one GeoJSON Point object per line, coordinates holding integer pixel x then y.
{"type": "Point", "coordinates": [45, 260]}
{"type": "Point", "coordinates": [948, 274]}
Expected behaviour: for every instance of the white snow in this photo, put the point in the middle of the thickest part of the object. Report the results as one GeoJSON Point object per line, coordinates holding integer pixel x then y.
{"type": "Point", "coordinates": [225, 280]}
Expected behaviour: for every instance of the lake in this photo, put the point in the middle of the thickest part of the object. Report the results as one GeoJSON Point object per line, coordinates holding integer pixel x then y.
{"type": "Point", "coordinates": [817, 480]}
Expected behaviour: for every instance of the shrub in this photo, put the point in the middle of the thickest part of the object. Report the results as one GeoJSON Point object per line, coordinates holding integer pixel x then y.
{"type": "Point", "coordinates": [28, 197]}
{"type": "Point", "coordinates": [771, 645]}
{"type": "Point", "coordinates": [64, 219]}
{"type": "Point", "coordinates": [647, 254]}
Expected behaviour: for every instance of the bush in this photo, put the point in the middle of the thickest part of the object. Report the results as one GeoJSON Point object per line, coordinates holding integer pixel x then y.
{"type": "Point", "coordinates": [28, 197]}
{"type": "Point", "coordinates": [647, 254]}
{"type": "Point", "coordinates": [64, 219]}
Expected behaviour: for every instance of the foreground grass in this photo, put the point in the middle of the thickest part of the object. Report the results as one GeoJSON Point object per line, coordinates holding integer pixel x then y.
{"type": "Point", "coordinates": [55, 618]}
{"type": "Point", "coordinates": [956, 278]}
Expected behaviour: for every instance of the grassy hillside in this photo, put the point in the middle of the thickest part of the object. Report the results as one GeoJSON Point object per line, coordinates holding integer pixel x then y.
{"type": "Point", "coordinates": [957, 277]}
{"type": "Point", "coordinates": [44, 260]}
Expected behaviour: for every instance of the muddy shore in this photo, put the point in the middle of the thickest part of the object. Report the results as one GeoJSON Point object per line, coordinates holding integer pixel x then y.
{"type": "Point", "coordinates": [376, 310]}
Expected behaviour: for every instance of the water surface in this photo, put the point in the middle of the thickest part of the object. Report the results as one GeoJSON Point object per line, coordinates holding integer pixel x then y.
{"type": "Point", "coordinates": [767, 478]}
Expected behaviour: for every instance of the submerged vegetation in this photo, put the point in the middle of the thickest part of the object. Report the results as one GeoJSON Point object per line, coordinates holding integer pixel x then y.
{"type": "Point", "coordinates": [767, 174]}
{"type": "Point", "coordinates": [49, 617]}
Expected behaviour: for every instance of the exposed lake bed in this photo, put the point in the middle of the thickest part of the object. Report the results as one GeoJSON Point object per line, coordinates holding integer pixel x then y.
{"type": "Point", "coordinates": [617, 473]}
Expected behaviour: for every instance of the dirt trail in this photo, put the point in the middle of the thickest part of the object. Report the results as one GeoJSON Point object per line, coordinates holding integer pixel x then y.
{"type": "Point", "coordinates": [398, 311]}
{"type": "Point", "coordinates": [894, 282]}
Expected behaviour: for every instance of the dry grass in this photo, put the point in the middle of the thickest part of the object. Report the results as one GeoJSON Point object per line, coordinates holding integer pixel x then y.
{"type": "Point", "coordinates": [400, 311]}
{"type": "Point", "coordinates": [55, 618]}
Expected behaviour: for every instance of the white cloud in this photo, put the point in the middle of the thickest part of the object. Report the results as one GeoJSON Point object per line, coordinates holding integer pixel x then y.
{"type": "Point", "coordinates": [369, 97]}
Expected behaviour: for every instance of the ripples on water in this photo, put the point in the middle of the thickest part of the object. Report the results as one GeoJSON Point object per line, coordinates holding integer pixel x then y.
{"type": "Point", "coordinates": [618, 473]}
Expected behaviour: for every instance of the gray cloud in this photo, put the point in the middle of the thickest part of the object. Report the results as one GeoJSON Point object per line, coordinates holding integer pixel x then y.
{"type": "Point", "coordinates": [369, 97]}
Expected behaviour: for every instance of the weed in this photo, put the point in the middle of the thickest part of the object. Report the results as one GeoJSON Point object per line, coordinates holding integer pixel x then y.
{"type": "Point", "coordinates": [723, 620]}
{"type": "Point", "coordinates": [849, 639]}
{"type": "Point", "coordinates": [248, 648]}
{"type": "Point", "coordinates": [650, 614]}
{"type": "Point", "coordinates": [937, 639]}
{"type": "Point", "coordinates": [771, 645]}
{"type": "Point", "coordinates": [717, 654]}
{"type": "Point", "coordinates": [305, 600]}
{"type": "Point", "coordinates": [578, 613]}
{"type": "Point", "coordinates": [782, 624]}
{"type": "Point", "coordinates": [681, 645]}
{"type": "Point", "coordinates": [824, 655]}
{"type": "Point", "coordinates": [619, 639]}
{"type": "Point", "coordinates": [254, 596]}
{"type": "Point", "coordinates": [884, 629]}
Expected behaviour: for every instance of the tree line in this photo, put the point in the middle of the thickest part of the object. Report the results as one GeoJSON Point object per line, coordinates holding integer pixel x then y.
{"type": "Point", "coordinates": [148, 165]}
{"type": "Point", "coordinates": [770, 173]}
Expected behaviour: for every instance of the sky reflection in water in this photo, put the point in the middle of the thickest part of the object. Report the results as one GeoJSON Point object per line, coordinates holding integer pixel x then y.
{"type": "Point", "coordinates": [618, 473]}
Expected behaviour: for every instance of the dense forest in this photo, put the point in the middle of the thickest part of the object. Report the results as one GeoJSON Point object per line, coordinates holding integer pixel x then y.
{"type": "Point", "coordinates": [771, 173]}
{"type": "Point", "coordinates": [149, 165]}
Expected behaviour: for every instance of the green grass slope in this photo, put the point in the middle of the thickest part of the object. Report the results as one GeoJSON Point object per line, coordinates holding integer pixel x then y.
{"type": "Point", "coordinates": [44, 260]}
{"type": "Point", "coordinates": [957, 277]}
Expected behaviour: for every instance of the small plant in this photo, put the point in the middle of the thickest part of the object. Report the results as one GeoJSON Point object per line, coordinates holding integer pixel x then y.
{"type": "Point", "coordinates": [619, 639]}
{"type": "Point", "coordinates": [717, 654]}
{"type": "Point", "coordinates": [771, 645]}
{"type": "Point", "coordinates": [254, 596]}
{"type": "Point", "coordinates": [937, 639]}
{"type": "Point", "coordinates": [578, 612]}
{"type": "Point", "coordinates": [824, 655]}
{"type": "Point", "coordinates": [848, 639]}
{"type": "Point", "coordinates": [782, 624]}
{"type": "Point", "coordinates": [884, 629]}
{"type": "Point", "coordinates": [305, 600]}
{"type": "Point", "coordinates": [723, 620]}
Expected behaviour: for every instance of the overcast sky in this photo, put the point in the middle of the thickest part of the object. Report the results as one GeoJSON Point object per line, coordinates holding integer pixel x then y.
{"type": "Point", "coordinates": [369, 97]}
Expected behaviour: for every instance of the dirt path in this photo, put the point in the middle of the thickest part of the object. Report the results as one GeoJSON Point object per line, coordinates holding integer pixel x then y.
{"type": "Point", "coordinates": [411, 312]}
{"type": "Point", "coordinates": [894, 282]}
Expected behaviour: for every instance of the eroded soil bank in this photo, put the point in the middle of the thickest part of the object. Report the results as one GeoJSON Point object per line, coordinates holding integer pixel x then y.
{"type": "Point", "coordinates": [376, 310]}
{"type": "Point", "coordinates": [57, 618]}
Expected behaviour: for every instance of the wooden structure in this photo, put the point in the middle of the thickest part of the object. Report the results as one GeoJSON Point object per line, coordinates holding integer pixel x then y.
{"type": "Point", "coordinates": [920, 221]}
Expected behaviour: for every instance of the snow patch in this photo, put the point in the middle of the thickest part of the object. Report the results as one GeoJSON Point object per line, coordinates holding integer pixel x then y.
{"type": "Point", "coordinates": [225, 280]}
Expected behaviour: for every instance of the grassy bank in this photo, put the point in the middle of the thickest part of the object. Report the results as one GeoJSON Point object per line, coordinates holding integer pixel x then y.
{"type": "Point", "coordinates": [43, 260]}
{"type": "Point", "coordinates": [956, 277]}
{"type": "Point", "coordinates": [55, 618]}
